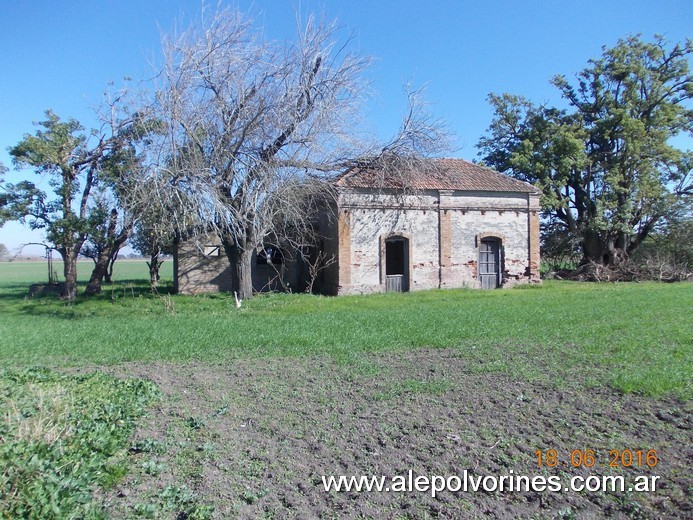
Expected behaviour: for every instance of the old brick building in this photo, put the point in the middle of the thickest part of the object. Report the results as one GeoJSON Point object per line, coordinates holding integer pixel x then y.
{"type": "Point", "coordinates": [456, 225]}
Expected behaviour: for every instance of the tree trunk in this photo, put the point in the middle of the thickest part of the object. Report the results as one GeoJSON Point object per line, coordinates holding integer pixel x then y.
{"type": "Point", "coordinates": [108, 276]}
{"type": "Point", "coordinates": [593, 248]}
{"type": "Point", "coordinates": [98, 273]}
{"type": "Point", "coordinates": [154, 265]}
{"type": "Point", "coordinates": [107, 255]}
{"type": "Point", "coordinates": [70, 272]}
{"type": "Point", "coordinates": [241, 260]}
{"type": "Point", "coordinates": [244, 274]}
{"type": "Point", "coordinates": [103, 267]}
{"type": "Point", "coordinates": [606, 251]}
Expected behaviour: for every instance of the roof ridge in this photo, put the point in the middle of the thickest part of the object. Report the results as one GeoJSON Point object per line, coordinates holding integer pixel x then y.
{"type": "Point", "coordinates": [454, 174]}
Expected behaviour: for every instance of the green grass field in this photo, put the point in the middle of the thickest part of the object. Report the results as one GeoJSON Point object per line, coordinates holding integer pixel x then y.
{"type": "Point", "coordinates": [635, 337]}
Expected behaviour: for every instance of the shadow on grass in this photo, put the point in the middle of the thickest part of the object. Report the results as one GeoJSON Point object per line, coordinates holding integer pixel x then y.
{"type": "Point", "coordinates": [131, 288]}
{"type": "Point", "coordinates": [15, 299]}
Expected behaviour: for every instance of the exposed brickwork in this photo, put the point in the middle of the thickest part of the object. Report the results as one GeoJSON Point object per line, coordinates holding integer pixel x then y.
{"type": "Point", "coordinates": [444, 229]}
{"type": "Point", "coordinates": [445, 238]}
{"type": "Point", "coordinates": [196, 273]}
{"type": "Point", "coordinates": [445, 202]}
{"type": "Point", "coordinates": [443, 222]}
{"type": "Point", "coordinates": [534, 237]}
{"type": "Point", "coordinates": [508, 226]}
{"type": "Point", "coordinates": [344, 248]}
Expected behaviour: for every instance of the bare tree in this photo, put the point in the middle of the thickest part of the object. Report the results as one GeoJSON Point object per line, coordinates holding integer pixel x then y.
{"type": "Point", "coordinates": [254, 128]}
{"type": "Point", "coordinates": [316, 265]}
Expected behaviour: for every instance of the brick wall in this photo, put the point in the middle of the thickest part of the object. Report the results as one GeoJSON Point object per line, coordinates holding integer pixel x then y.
{"type": "Point", "coordinates": [195, 272]}
{"type": "Point", "coordinates": [443, 229]}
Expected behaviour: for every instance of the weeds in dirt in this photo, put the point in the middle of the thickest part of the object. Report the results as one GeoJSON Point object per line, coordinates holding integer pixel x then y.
{"type": "Point", "coordinates": [288, 421]}
{"type": "Point", "coordinates": [296, 386]}
{"type": "Point", "coordinates": [175, 502]}
{"type": "Point", "coordinates": [147, 446]}
{"type": "Point", "coordinates": [195, 423]}
{"type": "Point", "coordinates": [414, 386]}
{"type": "Point", "coordinates": [152, 467]}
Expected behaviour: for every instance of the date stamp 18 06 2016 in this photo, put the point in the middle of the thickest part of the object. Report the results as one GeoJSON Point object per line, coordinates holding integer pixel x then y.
{"type": "Point", "coordinates": [589, 458]}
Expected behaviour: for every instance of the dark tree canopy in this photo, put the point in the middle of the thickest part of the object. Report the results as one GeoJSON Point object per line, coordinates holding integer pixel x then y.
{"type": "Point", "coordinates": [59, 150]}
{"type": "Point", "coordinates": [606, 165]}
{"type": "Point", "coordinates": [115, 205]}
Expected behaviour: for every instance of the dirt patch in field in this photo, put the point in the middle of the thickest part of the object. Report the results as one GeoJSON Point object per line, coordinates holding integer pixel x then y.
{"type": "Point", "coordinates": [253, 438]}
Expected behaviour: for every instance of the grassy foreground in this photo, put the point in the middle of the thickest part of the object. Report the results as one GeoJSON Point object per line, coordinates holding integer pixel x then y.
{"type": "Point", "coordinates": [63, 437]}
{"type": "Point", "coordinates": [65, 444]}
{"type": "Point", "coordinates": [635, 337]}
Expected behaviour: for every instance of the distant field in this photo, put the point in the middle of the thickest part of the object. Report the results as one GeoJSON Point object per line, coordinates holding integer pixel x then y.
{"type": "Point", "coordinates": [12, 273]}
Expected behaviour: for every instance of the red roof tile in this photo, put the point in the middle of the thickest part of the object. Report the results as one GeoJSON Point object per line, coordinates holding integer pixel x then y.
{"type": "Point", "coordinates": [443, 174]}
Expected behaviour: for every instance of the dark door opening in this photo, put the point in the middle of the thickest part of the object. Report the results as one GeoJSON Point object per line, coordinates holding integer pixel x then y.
{"type": "Point", "coordinates": [397, 264]}
{"type": "Point", "coordinates": [489, 263]}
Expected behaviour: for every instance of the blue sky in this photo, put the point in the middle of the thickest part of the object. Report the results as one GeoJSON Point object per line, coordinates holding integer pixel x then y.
{"type": "Point", "coordinates": [61, 54]}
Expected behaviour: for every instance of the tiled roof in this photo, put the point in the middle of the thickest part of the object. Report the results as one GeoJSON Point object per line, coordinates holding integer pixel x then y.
{"type": "Point", "coordinates": [443, 174]}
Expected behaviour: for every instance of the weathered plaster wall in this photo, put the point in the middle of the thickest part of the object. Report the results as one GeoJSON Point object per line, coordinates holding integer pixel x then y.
{"type": "Point", "coordinates": [468, 227]}
{"type": "Point", "coordinates": [368, 231]}
{"type": "Point", "coordinates": [444, 229]}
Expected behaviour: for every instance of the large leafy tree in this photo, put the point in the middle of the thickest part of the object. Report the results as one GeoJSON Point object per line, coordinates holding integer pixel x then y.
{"type": "Point", "coordinates": [606, 165]}
{"type": "Point", "coordinates": [74, 163]}
{"type": "Point", "coordinates": [14, 198]}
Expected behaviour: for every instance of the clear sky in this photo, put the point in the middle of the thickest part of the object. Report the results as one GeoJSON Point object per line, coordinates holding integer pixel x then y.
{"type": "Point", "coordinates": [61, 54]}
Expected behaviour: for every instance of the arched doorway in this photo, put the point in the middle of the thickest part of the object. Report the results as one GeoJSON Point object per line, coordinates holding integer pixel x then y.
{"type": "Point", "coordinates": [489, 263]}
{"type": "Point", "coordinates": [396, 264]}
